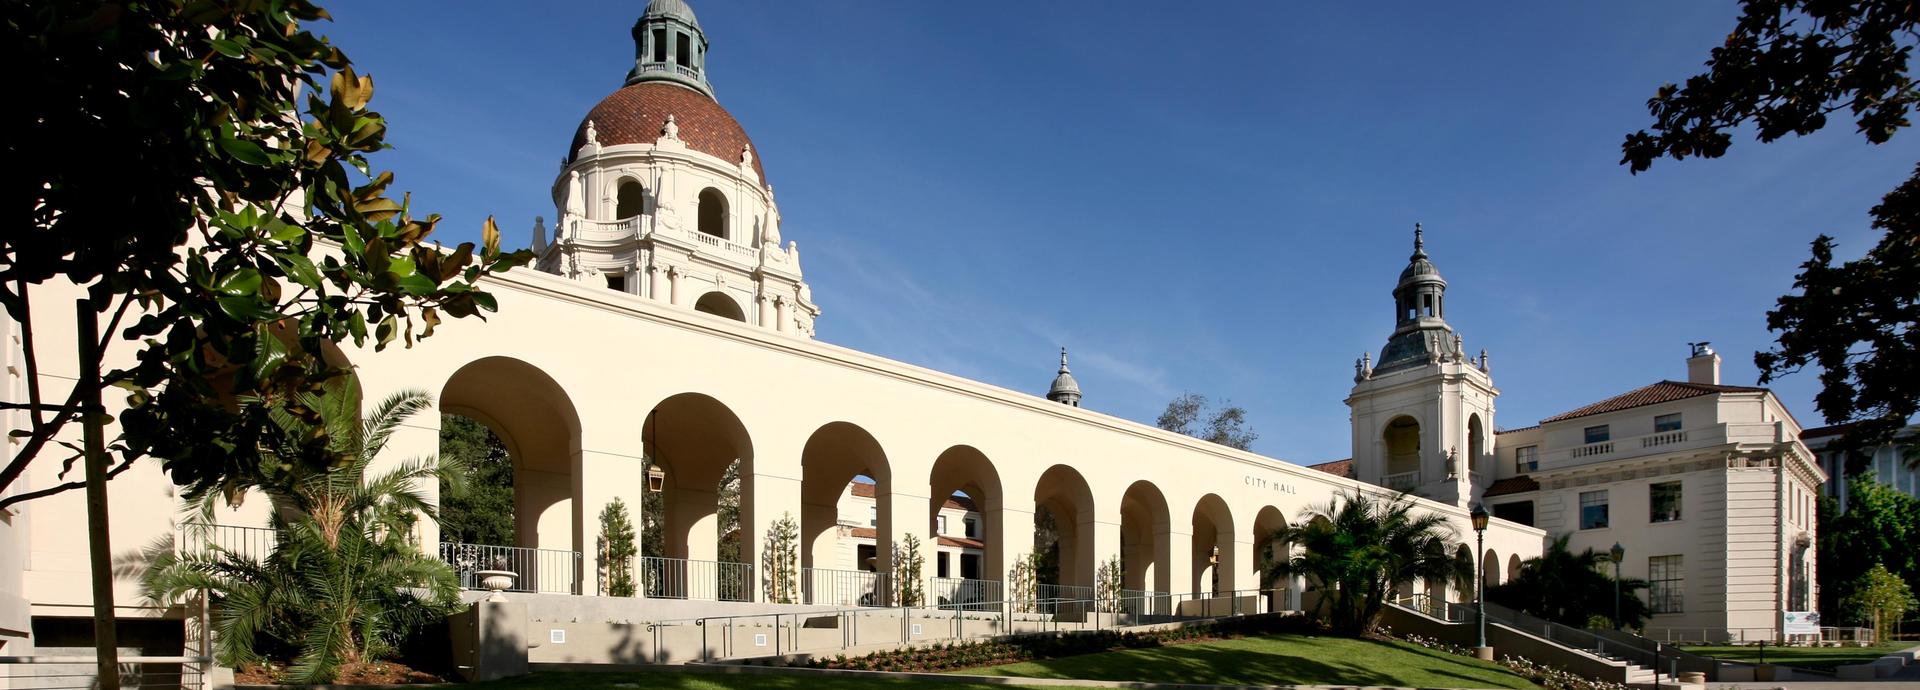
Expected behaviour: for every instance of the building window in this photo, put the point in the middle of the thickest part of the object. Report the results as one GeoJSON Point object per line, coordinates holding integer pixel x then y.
{"type": "Point", "coordinates": [868, 557]}
{"type": "Point", "coordinates": [713, 213]}
{"type": "Point", "coordinates": [972, 526]}
{"type": "Point", "coordinates": [659, 45]}
{"type": "Point", "coordinates": [940, 570]}
{"type": "Point", "coordinates": [682, 49]}
{"type": "Point", "coordinates": [1665, 584]}
{"type": "Point", "coordinates": [873, 516]}
{"type": "Point", "coordinates": [1526, 459]}
{"type": "Point", "coordinates": [1664, 498]}
{"type": "Point", "coordinates": [940, 525]}
{"type": "Point", "coordinates": [1666, 422]}
{"type": "Point", "coordinates": [1593, 509]}
{"type": "Point", "coordinates": [1598, 434]}
{"type": "Point", "coordinates": [1518, 512]}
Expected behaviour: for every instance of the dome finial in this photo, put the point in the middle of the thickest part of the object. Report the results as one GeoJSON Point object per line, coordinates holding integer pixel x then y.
{"type": "Point", "coordinates": [1065, 390]}
{"type": "Point", "coordinates": [1419, 240]}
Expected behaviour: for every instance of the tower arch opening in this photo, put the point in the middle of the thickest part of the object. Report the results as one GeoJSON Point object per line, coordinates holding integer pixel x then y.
{"type": "Point", "coordinates": [630, 199]}
{"type": "Point", "coordinates": [713, 213]}
{"type": "Point", "coordinates": [720, 304]}
{"type": "Point", "coordinates": [1401, 441]}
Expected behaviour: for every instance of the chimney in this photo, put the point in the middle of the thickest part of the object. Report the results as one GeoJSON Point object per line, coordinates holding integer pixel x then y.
{"type": "Point", "coordinates": [1704, 365]}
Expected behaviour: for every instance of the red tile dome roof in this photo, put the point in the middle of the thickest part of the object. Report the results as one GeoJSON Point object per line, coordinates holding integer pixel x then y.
{"type": "Point", "coordinates": [635, 114]}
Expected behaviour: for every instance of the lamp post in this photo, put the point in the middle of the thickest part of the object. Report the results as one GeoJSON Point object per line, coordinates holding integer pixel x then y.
{"type": "Point", "coordinates": [1619, 553]}
{"type": "Point", "coordinates": [1479, 517]}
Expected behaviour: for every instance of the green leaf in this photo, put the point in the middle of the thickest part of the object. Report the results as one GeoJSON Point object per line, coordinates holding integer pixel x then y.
{"type": "Point", "coordinates": [246, 151]}
{"type": "Point", "coordinates": [244, 308]}
{"type": "Point", "coordinates": [245, 281]}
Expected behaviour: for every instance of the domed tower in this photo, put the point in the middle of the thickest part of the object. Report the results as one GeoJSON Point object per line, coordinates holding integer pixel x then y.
{"type": "Point", "coordinates": [662, 195]}
{"type": "Point", "coordinates": [1065, 390]}
{"type": "Point", "coordinates": [1423, 415]}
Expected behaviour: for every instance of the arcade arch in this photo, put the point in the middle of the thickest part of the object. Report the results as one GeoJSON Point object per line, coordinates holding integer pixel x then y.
{"type": "Point", "coordinates": [702, 451]}
{"type": "Point", "coordinates": [964, 474]}
{"type": "Point", "coordinates": [537, 424]}
{"type": "Point", "coordinates": [1146, 540]}
{"type": "Point", "coordinates": [1268, 549]}
{"type": "Point", "coordinates": [1063, 493]}
{"type": "Point", "coordinates": [1213, 553]}
{"type": "Point", "coordinates": [836, 454]}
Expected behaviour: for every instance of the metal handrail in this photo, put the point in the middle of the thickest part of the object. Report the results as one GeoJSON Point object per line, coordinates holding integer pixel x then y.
{"type": "Point", "coordinates": [134, 674]}
{"type": "Point", "coordinates": [538, 570]}
{"type": "Point", "coordinates": [681, 578]}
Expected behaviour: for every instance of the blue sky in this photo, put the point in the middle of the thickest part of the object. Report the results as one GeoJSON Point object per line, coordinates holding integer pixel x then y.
{"type": "Point", "coordinates": [1207, 197]}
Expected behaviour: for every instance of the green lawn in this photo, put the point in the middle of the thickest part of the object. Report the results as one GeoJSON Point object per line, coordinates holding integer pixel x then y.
{"type": "Point", "coordinates": [668, 680]}
{"type": "Point", "coordinates": [1808, 657]}
{"type": "Point", "coordinates": [1277, 660]}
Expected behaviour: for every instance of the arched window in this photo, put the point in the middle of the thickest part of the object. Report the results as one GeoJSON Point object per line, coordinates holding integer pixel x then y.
{"type": "Point", "coordinates": [713, 213]}
{"type": "Point", "coordinates": [631, 199]}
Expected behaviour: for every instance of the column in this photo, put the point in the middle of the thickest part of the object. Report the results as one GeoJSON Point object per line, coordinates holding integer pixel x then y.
{"type": "Point", "coordinates": [781, 322]}
{"type": "Point", "coordinates": [657, 283]}
{"type": "Point", "coordinates": [907, 511]}
{"type": "Point", "coordinates": [769, 496]}
{"type": "Point", "coordinates": [764, 310]}
{"type": "Point", "coordinates": [600, 477]}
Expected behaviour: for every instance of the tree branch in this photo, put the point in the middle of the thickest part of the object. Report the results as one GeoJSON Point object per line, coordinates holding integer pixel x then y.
{"type": "Point", "coordinates": [10, 501]}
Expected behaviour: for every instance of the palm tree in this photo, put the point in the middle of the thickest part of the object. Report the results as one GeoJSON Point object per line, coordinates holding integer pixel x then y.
{"type": "Point", "coordinates": [1360, 548]}
{"type": "Point", "coordinates": [1571, 589]}
{"type": "Point", "coordinates": [345, 583]}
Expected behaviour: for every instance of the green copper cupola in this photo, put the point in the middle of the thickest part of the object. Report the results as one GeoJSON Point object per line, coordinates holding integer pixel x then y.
{"type": "Point", "coordinates": [668, 45]}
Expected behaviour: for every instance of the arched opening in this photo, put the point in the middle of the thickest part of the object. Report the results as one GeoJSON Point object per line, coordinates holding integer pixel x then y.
{"type": "Point", "coordinates": [701, 459]}
{"type": "Point", "coordinates": [970, 558]}
{"type": "Point", "coordinates": [1267, 551]}
{"type": "Point", "coordinates": [1146, 545]}
{"type": "Point", "coordinates": [508, 404]}
{"type": "Point", "coordinates": [1063, 534]}
{"type": "Point", "coordinates": [1479, 460]}
{"type": "Point", "coordinates": [1214, 566]}
{"type": "Point", "coordinates": [1490, 568]}
{"type": "Point", "coordinates": [846, 564]}
{"type": "Point", "coordinates": [1436, 588]}
{"type": "Point", "coordinates": [713, 213]}
{"type": "Point", "coordinates": [1463, 562]}
{"type": "Point", "coordinates": [1401, 440]}
{"type": "Point", "coordinates": [1513, 567]}
{"type": "Point", "coordinates": [719, 304]}
{"type": "Point", "coordinates": [630, 199]}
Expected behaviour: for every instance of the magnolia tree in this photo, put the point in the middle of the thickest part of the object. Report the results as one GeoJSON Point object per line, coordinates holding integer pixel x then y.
{"type": "Point", "coordinates": [200, 169]}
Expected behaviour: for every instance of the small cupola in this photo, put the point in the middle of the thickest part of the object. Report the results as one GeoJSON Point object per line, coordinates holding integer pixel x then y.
{"type": "Point", "coordinates": [1065, 390]}
{"type": "Point", "coordinates": [668, 45]}
{"type": "Point", "coordinates": [1421, 293]}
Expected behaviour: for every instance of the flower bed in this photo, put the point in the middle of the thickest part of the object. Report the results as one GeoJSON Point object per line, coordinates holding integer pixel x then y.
{"type": "Point", "coordinates": [950, 657]}
{"type": "Point", "coordinates": [1545, 676]}
{"type": "Point", "coordinates": [370, 673]}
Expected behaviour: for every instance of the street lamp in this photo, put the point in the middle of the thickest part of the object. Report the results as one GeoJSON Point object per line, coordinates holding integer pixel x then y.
{"type": "Point", "coordinates": [1619, 553]}
{"type": "Point", "coordinates": [1479, 517]}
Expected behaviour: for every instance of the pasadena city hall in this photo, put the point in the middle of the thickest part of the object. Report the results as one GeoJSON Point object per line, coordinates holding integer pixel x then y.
{"type": "Point", "coordinates": [667, 245]}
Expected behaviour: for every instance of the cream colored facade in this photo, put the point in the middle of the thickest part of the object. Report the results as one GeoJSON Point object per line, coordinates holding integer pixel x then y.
{"type": "Point", "coordinates": [698, 387]}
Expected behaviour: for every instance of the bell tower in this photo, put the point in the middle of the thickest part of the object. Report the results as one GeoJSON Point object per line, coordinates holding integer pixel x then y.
{"type": "Point", "coordinates": [1423, 413]}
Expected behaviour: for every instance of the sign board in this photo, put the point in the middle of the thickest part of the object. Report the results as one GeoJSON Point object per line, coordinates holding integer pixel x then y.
{"type": "Point", "coordinates": [1802, 623]}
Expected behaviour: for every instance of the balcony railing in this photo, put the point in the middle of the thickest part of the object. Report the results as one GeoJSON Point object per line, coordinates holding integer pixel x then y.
{"type": "Point", "coordinates": [829, 587]}
{"type": "Point", "coordinates": [246, 542]}
{"type": "Point", "coordinates": [739, 251]}
{"type": "Point", "coordinates": [679, 578]}
{"type": "Point", "coordinates": [1658, 442]}
{"type": "Point", "coordinates": [550, 571]}
{"type": "Point", "coordinates": [964, 595]}
{"type": "Point", "coordinates": [1403, 481]}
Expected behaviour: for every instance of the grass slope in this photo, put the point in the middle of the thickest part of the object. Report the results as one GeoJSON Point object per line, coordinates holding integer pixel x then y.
{"type": "Point", "coordinates": [1806, 657]}
{"type": "Point", "coordinates": [1277, 660]}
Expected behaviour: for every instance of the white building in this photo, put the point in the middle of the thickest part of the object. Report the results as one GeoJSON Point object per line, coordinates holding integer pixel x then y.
{"type": "Point", "coordinates": [668, 250]}
{"type": "Point", "coordinates": [1886, 463]}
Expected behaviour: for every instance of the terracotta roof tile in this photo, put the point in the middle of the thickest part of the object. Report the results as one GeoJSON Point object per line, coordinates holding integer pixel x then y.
{"type": "Point", "coordinates": [955, 542]}
{"type": "Point", "coordinates": [865, 490]}
{"type": "Point", "coordinates": [1338, 468]}
{"type": "Point", "coordinates": [1511, 485]}
{"type": "Point", "coordinates": [635, 114]}
{"type": "Point", "coordinates": [1664, 391]}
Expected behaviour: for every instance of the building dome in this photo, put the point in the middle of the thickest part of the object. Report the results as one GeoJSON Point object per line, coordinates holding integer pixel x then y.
{"type": "Point", "coordinates": [675, 9]}
{"type": "Point", "coordinates": [1065, 389]}
{"type": "Point", "coordinates": [636, 114]}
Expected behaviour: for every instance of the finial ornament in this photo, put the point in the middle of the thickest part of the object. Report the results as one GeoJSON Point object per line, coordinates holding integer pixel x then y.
{"type": "Point", "coordinates": [1063, 360]}
{"type": "Point", "coordinates": [671, 130]}
{"type": "Point", "coordinates": [1419, 241]}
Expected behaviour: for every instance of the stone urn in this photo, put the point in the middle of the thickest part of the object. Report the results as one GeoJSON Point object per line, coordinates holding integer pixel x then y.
{"type": "Point", "coordinates": [496, 581]}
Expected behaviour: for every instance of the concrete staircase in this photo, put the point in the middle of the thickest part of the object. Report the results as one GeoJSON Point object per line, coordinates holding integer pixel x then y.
{"type": "Point", "coordinates": [1580, 651]}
